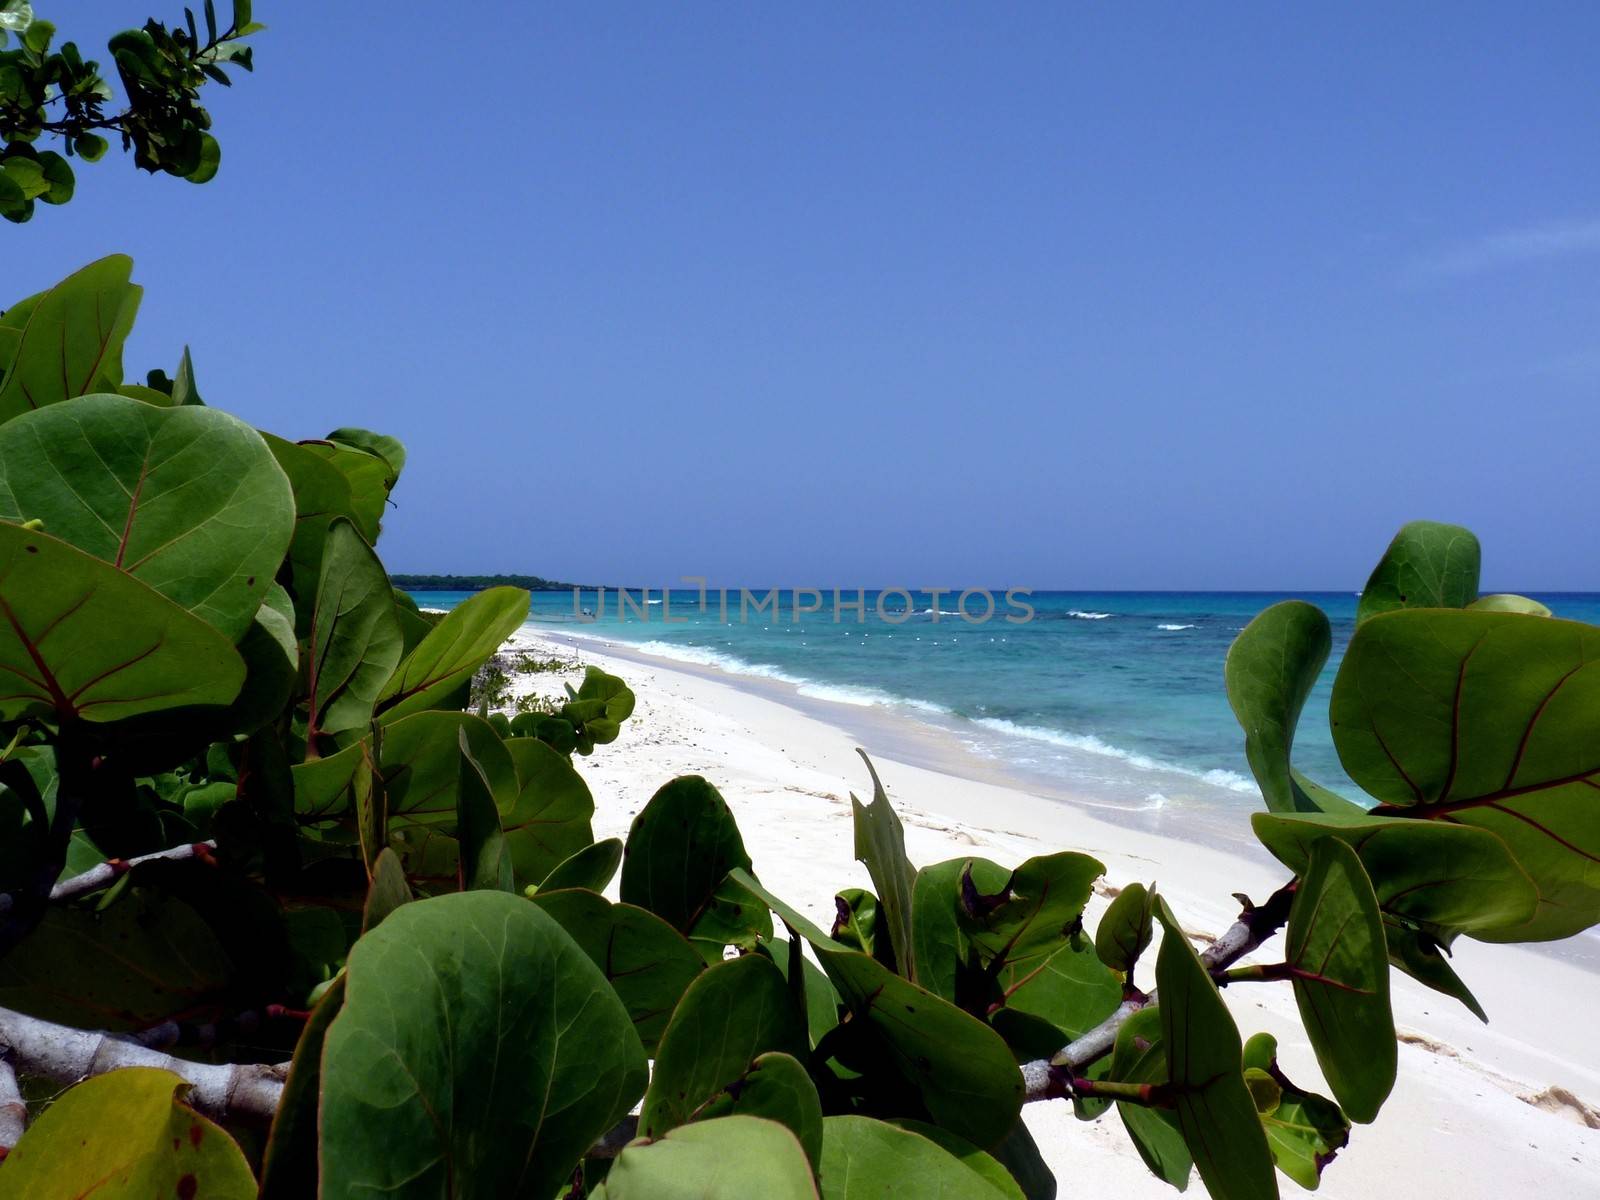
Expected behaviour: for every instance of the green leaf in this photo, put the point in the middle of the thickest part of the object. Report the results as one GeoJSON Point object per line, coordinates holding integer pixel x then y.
{"type": "Point", "coordinates": [864, 1159]}
{"type": "Point", "coordinates": [647, 961]}
{"type": "Point", "coordinates": [289, 1164]}
{"type": "Point", "coordinates": [1029, 937]}
{"type": "Point", "coordinates": [210, 159]}
{"type": "Point", "coordinates": [734, 1158]}
{"type": "Point", "coordinates": [1304, 1130]}
{"type": "Point", "coordinates": [370, 477]}
{"type": "Point", "coordinates": [485, 856]}
{"type": "Point", "coordinates": [1428, 565]}
{"type": "Point", "coordinates": [986, 1165]}
{"type": "Point", "coordinates": [731, 1014]}
{"type": "Point", "coordinates": [591, 868]}
{"type": "Point", "coordinates": [390, 449]}
{"type": "Point", "coordinates": [58, 175]}
{"type": "Point", "coordinates": [549, 820]}
{"type": "Point", "coordinates": [90, 147]}
{"type": "Point", "coordinates": [1505, 602]}
{"type": "Point", "coordinates": [355, 637]}
{"type": "Point", "coordinates": [1451, 877]}
{"type": "Point", "coordinates": [1420, 956]}
{"type": "Point", "coordinates": [1125, 930]}
{"type": "Point", "coordinates": [1272, 666]}
{"type": "Point", "coordinates": [596, 715]}
{"type": "Point", "coordinates": [1139, 1056]}
{"type": "Point", "coordinates": [679, 849]}
{"type": "Point", "coordinates": [962, 1069]}
{"type": "Point", "coordinates": [1490, 720]}
{"type": "Point", "coordinates": [774, 1086]}
{"type": "Point", "coordinates": [881, 845]}
{"type": "Point", "coordinates": [187, 500]}
{"type": "Point", "coordinates": [1206, 1070]}
{"type": "Point", "coordinates": [321, 494]}
{"type": "Point", "coordinates": [732, 916]}
{"type": "Point", "coordinates": [940, 948]}
{"type": "Point", "coordinates": [453, 649]}
{"type": "Point", "coordinates": [387, 891]}
{"type": "Point", "coordinates": [72, 343]}
{"type": "Point", "coordinates": [464, 1016]}
{"type": "Point", "coordinates": [184, 391]}
{"type": "Point", "coordinates": [80, 638]}
{"type": "Point", "coordinates": [125, 1135]}
{"type": "Point", "coordinates": [1339, 963]}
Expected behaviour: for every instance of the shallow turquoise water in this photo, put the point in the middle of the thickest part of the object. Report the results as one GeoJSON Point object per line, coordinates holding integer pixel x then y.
{"type": "Point", "coordinates": [1113, 694]}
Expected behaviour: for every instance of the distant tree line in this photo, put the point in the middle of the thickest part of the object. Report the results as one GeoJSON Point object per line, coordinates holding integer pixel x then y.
{"type": "Point", "coordinates": [477, 583]}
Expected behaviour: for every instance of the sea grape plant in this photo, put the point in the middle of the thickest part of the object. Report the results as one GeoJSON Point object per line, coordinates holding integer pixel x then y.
{"type": "Point", "coordinates": [303, 922]}
{"type": "Point", "coordinates": [54, 92]}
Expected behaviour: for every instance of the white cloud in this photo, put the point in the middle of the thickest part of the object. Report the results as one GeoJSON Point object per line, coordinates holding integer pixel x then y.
{"type": "Point", "coordinates": [1509, 248]}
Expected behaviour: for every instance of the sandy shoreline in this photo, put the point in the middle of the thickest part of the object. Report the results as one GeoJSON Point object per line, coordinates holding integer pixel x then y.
{"type": "Point", "coordinates": [1479, 1111]}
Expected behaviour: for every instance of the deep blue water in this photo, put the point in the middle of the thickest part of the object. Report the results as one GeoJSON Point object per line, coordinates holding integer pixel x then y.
{"type": "Point", "coordinates": [1117, 695]}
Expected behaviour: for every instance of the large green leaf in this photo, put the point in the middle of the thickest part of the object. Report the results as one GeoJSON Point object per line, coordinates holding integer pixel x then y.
{"type": "Point", "coordinates": [80, 638]}
{"type": "Point", "coordinates": [774, 1086]}
{"type": "Point", "coordinates": [647, 961]}
{"type": "Point", "coordinates": [388, 448]}
{"type": "Point", "coordinates": [592, 868]}
{"type": "Point", "coordinates": [125, 1135]}
{"type": "Point", "coordinates": [864, 1159]}
{"type": "Point", "coordinates": [1420, 955]}
{"type": "Point", "coordinates": [355, 636]}
{"type": "Point", "coordinates": [732, 916]}
{"type": "Point", "coordinates": [485, 855]}
{"type": "Point", "coordinates": [984, 1163]}
{"type": "Point", "coordinates": [1450, 877]}
{"type": "Point", "coordinates": [549, 820]}
{"type": "Point", "coordinates": [1304, 1130]}
{"type": "Point", "coordinates": [321, 494]}
{"type": "Point", "coordinates": [1029, 937]}
{"type": "Point", "coordinates": [72, 342]}
{"type": "Point", "coordinates": [1338, 960]}
{"type": "Point", "coordinates": [1271, 668]}
{"type": "Point", "coordinates": [289, 1162]}
{"type": "Point", "coordinates": [962, 1069]}
{"type": "Point", "coordinates": [1428, 565]}
{"type": "Point", "coordinates": [939, 945]}
{"type": "Point", "coordinates": [1485, 719]}
{"type": "Point", "coordinates": [370, 476]}
{"type": "Point", "coordinates": [453, 649]}
{"type": "Point", "coordinates": [479, 1053]}
{"type": "Point", "coordinates": [1506, 602]}
{"type": "Point", "coordinates": [188, 500]}
{"type": "Point", "coordinates": [733, 1158]}
{"type": "Point", "coordinates": [731, 1013]}
{"type": "Point", "coordinates": [679, 849]}
{"type": "Point", "coordinates": [1125, 929]}
{"type": "Point", "coordinates": [1205, 1066]}
{"type": "Point", "coordinates": [881, 845]}
{"type": "Point", "coordinates": [1139, 1056]}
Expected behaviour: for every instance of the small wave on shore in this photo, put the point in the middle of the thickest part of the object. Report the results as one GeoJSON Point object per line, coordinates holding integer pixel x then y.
{"type": "Point", "coordinates": [1078, 614]}
{"type": "Point", "coordinates": [1176, 628]}
{"type": "Point", "coordinates": [1229, 780]}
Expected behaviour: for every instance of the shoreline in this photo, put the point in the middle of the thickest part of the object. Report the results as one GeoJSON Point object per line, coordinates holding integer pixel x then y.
{"type": "Point", "coordinates": [1477, 1111]}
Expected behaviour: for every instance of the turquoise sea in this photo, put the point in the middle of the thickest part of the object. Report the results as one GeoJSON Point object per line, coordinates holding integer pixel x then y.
{"type": "Point", "coordinates": [1115, 696]}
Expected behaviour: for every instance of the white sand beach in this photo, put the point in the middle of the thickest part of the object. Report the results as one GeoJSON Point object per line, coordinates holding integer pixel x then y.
{"type": "Point", "coordinates": [1511, 1108]}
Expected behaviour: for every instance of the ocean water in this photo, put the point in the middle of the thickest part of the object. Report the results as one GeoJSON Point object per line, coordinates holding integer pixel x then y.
{"type": "Point", "coordinates": [1114, 696]}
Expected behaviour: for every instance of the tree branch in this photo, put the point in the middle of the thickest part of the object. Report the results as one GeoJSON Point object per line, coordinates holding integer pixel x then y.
{"type": "Point", "coordinates": [13, 1112]}
{"type": "Point", "coordinates": [1051, 1079]}
{"type": "Point", "coordinates": [63, 1055]}
{"type": "Point", "coordinates": [103, 875]}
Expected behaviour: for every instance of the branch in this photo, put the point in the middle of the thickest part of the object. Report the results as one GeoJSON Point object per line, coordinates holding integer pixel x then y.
{"type": "Point", "coordinates": [63, 1055]}
{"type": "Point", "coordinates": [105, 874]}
{"type": "Point", "coordinates": [13, 1112]}
{"type": "Point", "coordinates": [1050, 1079]}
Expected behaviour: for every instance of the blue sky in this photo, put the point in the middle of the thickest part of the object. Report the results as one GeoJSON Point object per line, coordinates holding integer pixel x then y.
{"type": "Point", "coordinates": [1043, 295]}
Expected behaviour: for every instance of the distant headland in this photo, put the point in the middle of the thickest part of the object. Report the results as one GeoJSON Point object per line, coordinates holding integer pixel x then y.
{"type": "Point", "coordinates": [476, 583]}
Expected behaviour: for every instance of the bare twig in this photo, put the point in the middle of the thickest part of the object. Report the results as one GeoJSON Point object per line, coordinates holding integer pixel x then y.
{"type": "Point", "coordinates": [13, 1112]}
{"type": "Point", "coordinates": [1050, 1079]}
{"type": "Point", "coordinates": [103, 875]}
{"type": "Point", "coordinates": [63, 1055]}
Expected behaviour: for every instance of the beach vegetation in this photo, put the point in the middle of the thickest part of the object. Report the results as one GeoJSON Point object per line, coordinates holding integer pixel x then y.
{"type": "Point", "coordinates": [286, 906]}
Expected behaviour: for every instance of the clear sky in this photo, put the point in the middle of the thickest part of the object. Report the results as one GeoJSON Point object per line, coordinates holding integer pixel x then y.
{"type": "Point", "coordinates": [1048, 295]}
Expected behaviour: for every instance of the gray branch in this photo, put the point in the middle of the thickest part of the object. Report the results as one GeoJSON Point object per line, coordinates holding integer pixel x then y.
{"type": "Point", "coordinates": [13, 1112]}
{"type": "Point", "coordinates": [103, 875]}
{"type": "Point", "coordinates": [1050, 1079]}
{"type": "Point", "coordinates": [63, 1055]}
